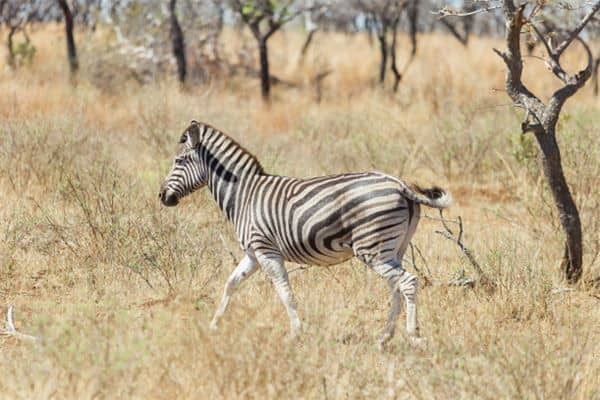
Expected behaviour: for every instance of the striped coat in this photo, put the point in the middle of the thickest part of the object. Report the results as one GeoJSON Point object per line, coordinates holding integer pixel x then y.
{"type": "Point", "coordinates": [320, 221]}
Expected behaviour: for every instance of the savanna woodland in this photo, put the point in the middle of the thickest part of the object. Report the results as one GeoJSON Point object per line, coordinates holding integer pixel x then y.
{"type": "Point", "coordinates": [107, 294]}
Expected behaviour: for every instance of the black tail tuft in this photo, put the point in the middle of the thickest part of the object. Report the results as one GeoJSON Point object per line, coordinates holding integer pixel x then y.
{"type": "Point", "coordinates": [433, 192]}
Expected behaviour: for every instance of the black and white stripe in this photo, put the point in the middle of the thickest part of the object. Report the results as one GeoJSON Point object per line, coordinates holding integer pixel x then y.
{"type": "Point", "coordinates": [320, 221]}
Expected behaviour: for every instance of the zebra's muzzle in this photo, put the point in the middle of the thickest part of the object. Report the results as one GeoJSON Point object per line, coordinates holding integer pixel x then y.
{"type": "Point", "coordinates": [168, 198]}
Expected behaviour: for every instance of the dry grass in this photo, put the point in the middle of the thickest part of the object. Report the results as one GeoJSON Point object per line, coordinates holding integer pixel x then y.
{"type": "Point", "coordinates": [121, 290]}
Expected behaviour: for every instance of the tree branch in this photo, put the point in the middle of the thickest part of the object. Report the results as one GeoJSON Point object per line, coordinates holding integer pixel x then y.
{"type": "Point", "coordinates": [516, 90]}
{"type": "Point", "coordinates": [448, 12]}
{"type": "Point", "coordinates": [572, 82]}
{"type": "Point", "coordinates": [452, 29]}
{"type": "Point", "coordinates": [575, 32]}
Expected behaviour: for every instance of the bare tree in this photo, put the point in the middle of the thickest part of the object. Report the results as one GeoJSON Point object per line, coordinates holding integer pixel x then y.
{"type": "Point", "coordinates": [384, 18]}
{"type": "Point", "coordinates": [71, 48]}
{"type": "Point", "coordinates": [264, 18]}
{"type": "Point", "coordinates": [178, 37]}
{"type": "Point", "coordinates": [178, 41]}
{"type": "Point", "coordinates": [541, 119]}
{"type": "Point", "coordinates": [16, 15]}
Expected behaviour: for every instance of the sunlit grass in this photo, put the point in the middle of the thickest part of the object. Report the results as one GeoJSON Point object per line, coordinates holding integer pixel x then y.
{"type": "Point", "coordinates": [121, 290]}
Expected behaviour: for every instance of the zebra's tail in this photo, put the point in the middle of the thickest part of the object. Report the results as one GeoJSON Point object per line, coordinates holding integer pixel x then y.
{"type": "Point", "coordinates": [433, 197]}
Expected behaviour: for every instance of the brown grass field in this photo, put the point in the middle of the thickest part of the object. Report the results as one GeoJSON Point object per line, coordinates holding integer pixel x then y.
{"type": "Point", "coordinates": [120, 290]}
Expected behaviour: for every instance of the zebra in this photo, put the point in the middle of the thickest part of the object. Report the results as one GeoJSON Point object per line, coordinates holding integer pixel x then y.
{"type": "Point", "coordinates": [320, 221]}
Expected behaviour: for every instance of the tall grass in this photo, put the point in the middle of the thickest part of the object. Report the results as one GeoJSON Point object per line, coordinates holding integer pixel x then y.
{"type": "Point", "coordinates": [121, 290]}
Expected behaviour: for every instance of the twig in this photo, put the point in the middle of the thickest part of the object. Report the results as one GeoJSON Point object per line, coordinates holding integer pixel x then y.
{"type": "Point", "coordinates": [426, 280]}
{"type": "Point", "coordinates": [211, 277]}
{"type": "Point", "coordinates": [300, 268]}
{"type": "Point", "coordinates": [10, 329]}
{"type": "Point", "coordinates": [423, 258]}
{"type": "Point", "coordinates": [561, 290]}
{"type": "Point", "coordinates": [462, 280]}
{"type": "Point", "coordinates": [452, 221]}
{"type": "Point", "coordinates": [447, 12]}
{"type": "Point", "coordinates": [233, 259]}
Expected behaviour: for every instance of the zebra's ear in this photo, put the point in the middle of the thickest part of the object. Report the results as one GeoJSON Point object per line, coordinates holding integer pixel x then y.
{"type": "Point", "coordinates": [194, 132]}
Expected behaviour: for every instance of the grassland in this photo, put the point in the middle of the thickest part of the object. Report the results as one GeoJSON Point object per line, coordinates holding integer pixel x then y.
{"type": "Point", "coordinates": [121, 290]}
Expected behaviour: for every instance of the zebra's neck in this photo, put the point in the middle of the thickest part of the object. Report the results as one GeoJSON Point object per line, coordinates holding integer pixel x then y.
{"type": "Point", "coordinates": [229, 167]}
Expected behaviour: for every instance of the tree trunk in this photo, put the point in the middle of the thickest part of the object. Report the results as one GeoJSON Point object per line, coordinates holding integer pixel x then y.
{"type": "Point", "coordinates": [369, 30]}
{"type": "Point", "coordinates": [567, 209]}
{"type": "Point", "coordinates": [397, 74]}
{"type": "Point", "coordinates": [265, 81]}
{"type": "Point", "coordinates": [71, 49]}
{"type": "Point", "coordinates": [595, 76]}
{"type": "Point", "coordinates": [384, 54]}
{"type": "Point", "coordinates": [11, 48]}
{"type": "Point", "coordinates": [413, 16]}
{"type": "Point", "coordinates": [178, 42]}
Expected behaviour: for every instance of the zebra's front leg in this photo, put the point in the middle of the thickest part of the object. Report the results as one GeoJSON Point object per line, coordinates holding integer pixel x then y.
{"type": "Point", "coordinates": [274, 267]}
{"type": "Point", "coordinates": [247, 266]}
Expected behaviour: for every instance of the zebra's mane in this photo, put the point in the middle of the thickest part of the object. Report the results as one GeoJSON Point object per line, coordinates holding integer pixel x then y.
{"type": "Point", "coordinates": [257, 165]}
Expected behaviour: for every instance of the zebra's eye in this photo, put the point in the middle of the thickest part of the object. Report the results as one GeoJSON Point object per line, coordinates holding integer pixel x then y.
{"type": "Point", "coordinates": [183, 138]}
{"type": "Point", "coordinates": [179, 161]}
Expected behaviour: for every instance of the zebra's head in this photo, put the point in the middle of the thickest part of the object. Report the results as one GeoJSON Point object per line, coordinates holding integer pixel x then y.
{"type": "Point", "coordinates": [188, 173]}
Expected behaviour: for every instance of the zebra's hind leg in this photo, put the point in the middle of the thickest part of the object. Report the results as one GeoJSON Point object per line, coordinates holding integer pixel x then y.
{"type": "Point", "coordinates": [390, 271]}
{"type": "Point", "coordinates": [401, 283]}
{"type": "Point", "coordinates": [274, 267]}
{"type": "Point", "coordinates": [408, 286]}
{"type": "Point", "coordinates": [247, 266]}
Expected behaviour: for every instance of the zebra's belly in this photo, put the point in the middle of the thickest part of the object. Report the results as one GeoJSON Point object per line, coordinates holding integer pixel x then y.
{"type": "Point", "coordinates": [328, 245]}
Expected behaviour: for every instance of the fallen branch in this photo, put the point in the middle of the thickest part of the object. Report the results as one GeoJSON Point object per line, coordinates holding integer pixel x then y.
{"type": "Point", "coordinates": [10, 329]}
{"type": "Point", "coordinates": [458, 239]}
